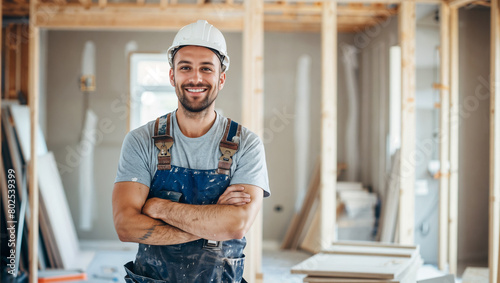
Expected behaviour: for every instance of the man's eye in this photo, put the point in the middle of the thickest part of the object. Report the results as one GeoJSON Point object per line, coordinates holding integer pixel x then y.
{"type": "Point", "coordinates": [184, 68]}
{"type": "Point", "coordinates": [207, 69]}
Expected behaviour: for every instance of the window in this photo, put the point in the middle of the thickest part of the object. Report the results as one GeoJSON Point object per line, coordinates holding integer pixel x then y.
{"type": "Point", "coordinates": [151, 94]}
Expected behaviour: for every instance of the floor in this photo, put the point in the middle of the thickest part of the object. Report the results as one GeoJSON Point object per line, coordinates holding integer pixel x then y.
{"type": "Point", "coordinates": [107, 266]}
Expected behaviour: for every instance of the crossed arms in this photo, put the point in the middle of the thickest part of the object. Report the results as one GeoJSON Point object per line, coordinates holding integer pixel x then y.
{"type": "Point", "coordinates": [163, 222]}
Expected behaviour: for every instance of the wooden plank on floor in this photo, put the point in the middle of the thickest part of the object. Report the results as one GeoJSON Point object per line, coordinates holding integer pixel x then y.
{"type": "Point", "coordinates": [353, 266]}
{"type": "Point", "coordinates": [407, 27]}
{"type": "Point", "coordinates": [311, 242]}
{"type": "Point", "coordinates": [328, 149]}
{"type": "Point", "coordinates": [373, 250]}
{"type": "Point", "coordinates": [306, 209]}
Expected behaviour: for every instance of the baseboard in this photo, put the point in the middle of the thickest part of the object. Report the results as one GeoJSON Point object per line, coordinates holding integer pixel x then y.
{"type": "Point", "coordinates": [97, 245]}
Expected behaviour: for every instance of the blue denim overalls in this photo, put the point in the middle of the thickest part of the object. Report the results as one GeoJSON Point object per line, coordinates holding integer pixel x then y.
{"type": "Point", "coordinates": [197, 261]}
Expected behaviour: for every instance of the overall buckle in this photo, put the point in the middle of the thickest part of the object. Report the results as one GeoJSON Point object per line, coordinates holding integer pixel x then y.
{"type": "Point", "coordinates": [164, 143]}
{"type": "Point", "coordinates": [212, 245]}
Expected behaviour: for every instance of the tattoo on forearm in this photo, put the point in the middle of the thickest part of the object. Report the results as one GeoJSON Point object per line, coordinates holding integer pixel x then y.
{"type": "Point", "coordinates": [148, 233]}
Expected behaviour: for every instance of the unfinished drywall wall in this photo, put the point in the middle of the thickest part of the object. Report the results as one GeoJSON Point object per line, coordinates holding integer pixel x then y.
{"type": "Point", "coordinates": [65, 112]}
{"type": "Point", "coordinates": [374, 45]}
{"type": "Point", "coordinates": [474, 38]}
{"type": "Point", "coordinates": [281, 53]}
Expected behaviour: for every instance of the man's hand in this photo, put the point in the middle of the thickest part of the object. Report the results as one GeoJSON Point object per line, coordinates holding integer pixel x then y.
{"type": "Point", "coordinates": [234, 195]}
{"type": "Point", "coordinates": [152, 207]}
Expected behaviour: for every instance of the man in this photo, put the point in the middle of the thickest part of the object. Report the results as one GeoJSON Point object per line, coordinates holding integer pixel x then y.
{"type": "Point", "coordinates": [190, 184]}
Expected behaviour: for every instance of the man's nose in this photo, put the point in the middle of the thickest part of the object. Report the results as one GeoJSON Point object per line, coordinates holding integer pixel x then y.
{"type": "Point", "coordinates": [196, 77]}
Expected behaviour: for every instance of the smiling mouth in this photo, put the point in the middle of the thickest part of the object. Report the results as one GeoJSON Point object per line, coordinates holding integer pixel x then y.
{"type": "Point", "coordinates": [196, 90]}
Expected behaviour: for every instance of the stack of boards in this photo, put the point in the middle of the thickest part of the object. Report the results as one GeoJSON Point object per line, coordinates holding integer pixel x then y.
{"type": "Point", "coordinates": [58, 245]}
{"type": "Point", "coordinates": [362, 262]}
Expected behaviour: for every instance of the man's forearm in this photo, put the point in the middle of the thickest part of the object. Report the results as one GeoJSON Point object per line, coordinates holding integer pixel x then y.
{"type": "Point", "coordinates": [229, 219]}
{"type": "Point", "coordinates": [213, 222]}
{"type": "Point", "coordinates": [146, 230]}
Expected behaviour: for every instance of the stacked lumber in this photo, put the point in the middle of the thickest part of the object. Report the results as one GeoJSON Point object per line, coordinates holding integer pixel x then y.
{"type": "Point", "coordinates": [355, 213]}
{"type": "Point", "coordinates": [362, 262]}
{"type": "Point", "coordinates": [58, 245]}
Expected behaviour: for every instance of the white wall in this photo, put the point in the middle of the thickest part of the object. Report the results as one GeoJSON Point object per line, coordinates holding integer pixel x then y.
{"type": "Point", "coordinates": [65, 112]}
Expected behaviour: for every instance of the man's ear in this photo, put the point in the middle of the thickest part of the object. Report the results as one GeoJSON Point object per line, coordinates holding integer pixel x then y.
{"type": "Point", "coordinates": [222, 80]}
{"type": "Point", "coordinates": [171, 75]}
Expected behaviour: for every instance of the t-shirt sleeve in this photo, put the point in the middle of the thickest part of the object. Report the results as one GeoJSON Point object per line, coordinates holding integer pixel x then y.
{"type": "Point", "coordinates": [133, 165]}
{"type": "Point", "coordinates": [251, 165]}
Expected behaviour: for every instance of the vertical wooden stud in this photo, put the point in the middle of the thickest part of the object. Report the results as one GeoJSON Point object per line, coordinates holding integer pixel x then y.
{"type": "Point", "coordinates": [494, 217]}
{"type": "Point", "coordinates": [407, 26]}
{"type": "Point", "coordinates": [444, 134]}
{"type": "Point", "coordinates": [253, 113]}
{"type": "Point", "coordinates": [454, 143]}
{"type": "Point", "coordinates": [33, 180]}
{"type": "Point", "coordinates": [328, 122]}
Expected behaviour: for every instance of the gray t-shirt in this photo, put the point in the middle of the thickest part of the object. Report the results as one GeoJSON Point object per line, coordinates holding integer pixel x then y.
{"type": "Point", "coordinates": [139, 155]}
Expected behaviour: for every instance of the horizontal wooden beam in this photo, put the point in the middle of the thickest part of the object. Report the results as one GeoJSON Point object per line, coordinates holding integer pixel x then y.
{"type": "Point", "coordinates": [346, 10]}
{"type": "Point", "coordinates": [358, 1]}
{"type": "Point", "coordinates": [15, 9]}
{"type": "Point", "coordinates": [459, 3]}
{"type": "Point", "coordinates": [130, 16]}
{"type": "Point", "coordinates": [148, 16]}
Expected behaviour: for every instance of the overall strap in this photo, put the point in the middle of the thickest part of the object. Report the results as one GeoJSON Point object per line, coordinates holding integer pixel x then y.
{"type": "Point", "coordinates": [163, 141]}
{"type": "Point", "coordinates": [228, 146]}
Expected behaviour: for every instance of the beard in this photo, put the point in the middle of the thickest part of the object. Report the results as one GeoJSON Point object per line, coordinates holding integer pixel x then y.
{"type": "Point", "coordinates": [198, 105]}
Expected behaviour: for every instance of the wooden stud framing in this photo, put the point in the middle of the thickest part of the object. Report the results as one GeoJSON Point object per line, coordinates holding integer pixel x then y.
{"type": "Point", "coordinates": [155, 16]}
{"type": "Point", "coordinates": [454, 143]}
{"type": "Point", "coordinates": [33, 179]}
{"type": "Point", "coordinates": [407, 26]}
{"type": "Point", "coordinates": [459, 3]}
{"type": "Point", "coordinates": [444, 135]}
{"type": "Point", "coordinates": [253, 113]}
{"type": "Point", "coordinates": [127, 16]}
{"type": "Point", "coordinates": [494, 215]}
{"type": "Point", "coordinates": [328, 175]}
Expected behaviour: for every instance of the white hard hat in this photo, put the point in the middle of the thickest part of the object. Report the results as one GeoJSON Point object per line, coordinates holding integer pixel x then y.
{"type": "Point", "coordinates": [203, 34]}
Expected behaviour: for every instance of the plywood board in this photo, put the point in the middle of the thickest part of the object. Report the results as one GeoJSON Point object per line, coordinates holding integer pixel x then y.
{"type": "Point", "coordinates": [351, 266]}
{"type": "Point", "coordinates": [22, 124]}
{"type": "Point", "coordinates": [313, 279]}
{"type": "Point", "coordinates": [376, 251]}
{"type": "Point", "coordinates": [13, 146]}
{"type": "Point", "coordinates": [57, 211]}
{"type": "Point", "coordinates": [374, 244]}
